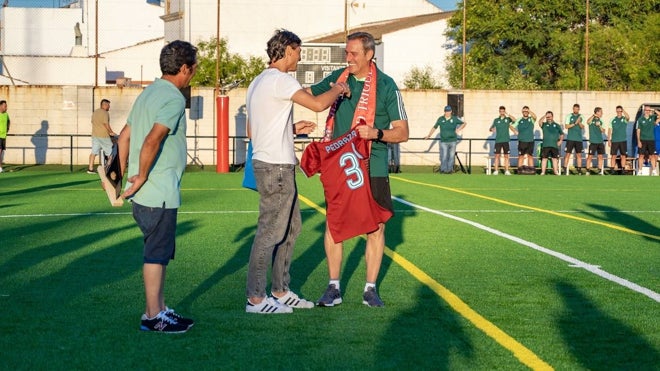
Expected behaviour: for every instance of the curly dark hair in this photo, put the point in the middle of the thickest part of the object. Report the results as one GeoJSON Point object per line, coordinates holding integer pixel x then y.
{"type": "Point", "coordinates": [176, 54]}
{"type": "Point", "coordinates": [277, 44]}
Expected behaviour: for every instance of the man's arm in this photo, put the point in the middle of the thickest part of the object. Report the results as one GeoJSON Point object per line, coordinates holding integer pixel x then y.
{"type": "Point", "coordinates": [318, 103]}
{"type": "Point", "coordinates": [148, 152]}
{"type": "Point", "coordinates": [397, 134]}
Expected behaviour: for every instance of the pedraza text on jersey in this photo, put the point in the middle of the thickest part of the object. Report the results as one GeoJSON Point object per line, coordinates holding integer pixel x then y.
{"type": "Point", "coordinates": [341, 142]}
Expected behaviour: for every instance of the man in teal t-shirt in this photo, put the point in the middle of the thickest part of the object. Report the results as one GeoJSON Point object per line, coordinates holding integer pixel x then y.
{"type": "Point", "coordinates": [449, 126]}
{"type": "Point", "coordinates": [525, 127]}
{"type": "Point", "coordinates": [501, 126]}
{"type": "Point", "coordinates": [552, 138]}
{"type": "Point", "coordinates": [617, 137]}
{"type": "Point", "coordinates": [574, 125]}
{"type": "Point", "coordinates": [646, 137]}
{"type": "Point", "coordinates": [595, 131]}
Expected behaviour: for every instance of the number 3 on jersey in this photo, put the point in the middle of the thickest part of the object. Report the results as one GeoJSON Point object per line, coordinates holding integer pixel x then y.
{"type": "Point", "coordinates": [350, 162]}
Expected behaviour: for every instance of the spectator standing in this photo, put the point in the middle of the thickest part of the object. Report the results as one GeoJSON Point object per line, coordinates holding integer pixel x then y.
{"type": "Point", "coordinates": [617, 137]}
{"type": "Point", "coordinates": [4, 129]}
{"type": "Point", "coordinates": [450, 126]}
{"type": "Point", "coordinates": [101, 134]}
{"type": "Point", "coordinates": [646, 137]}
{"type": "Point", "coordinates": [501, 126]}
{"type": "Point", "coordinates": [525, 127]}
{"type": "Point", "coordinates": [574, 124]}
{"type": "Point", "coordinates": [595, 131]}
{"type": "Point", "coordinates": [552, 138]}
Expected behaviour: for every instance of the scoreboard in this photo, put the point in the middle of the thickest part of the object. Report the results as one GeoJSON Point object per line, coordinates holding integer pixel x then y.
{"type": "Point", "coordinates": [319, 60]}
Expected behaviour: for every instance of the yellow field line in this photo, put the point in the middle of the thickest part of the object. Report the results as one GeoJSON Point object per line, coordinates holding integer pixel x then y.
{"type": "Point", "coordinates": [526, 356]}
{"type": "Point", "coordinates": [555, 213]}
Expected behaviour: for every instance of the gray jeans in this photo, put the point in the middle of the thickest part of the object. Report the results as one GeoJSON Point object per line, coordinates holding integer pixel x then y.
{"type": "Point", "coordinates": [447, 151]}
{"type": "Point", "coordinates": [277, 228]}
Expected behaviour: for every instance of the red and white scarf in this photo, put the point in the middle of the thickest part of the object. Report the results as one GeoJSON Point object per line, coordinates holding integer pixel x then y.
{"type": "Point", "coordinates": [366, 107]}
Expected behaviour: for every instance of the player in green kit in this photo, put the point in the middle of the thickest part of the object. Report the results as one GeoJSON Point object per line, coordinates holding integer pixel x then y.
{"type": "Point", "coordinates": [525, 127]}
{"type": "Point", "coordinates": [501, 126]}
{"type": "Point", "coordinates": [552, 138]}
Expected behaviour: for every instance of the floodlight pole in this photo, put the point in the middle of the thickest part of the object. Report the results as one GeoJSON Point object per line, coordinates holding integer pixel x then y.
{"type": "Point", "coordinates": [464, 39]}
{"type": "Point", "coordinates": [586, 50]}
{"type": "Point", "coordinates": [96, 44]}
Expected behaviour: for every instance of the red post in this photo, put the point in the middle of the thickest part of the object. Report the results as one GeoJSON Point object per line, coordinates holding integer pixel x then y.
{"type": "Point", "coordinates": [222, 157]}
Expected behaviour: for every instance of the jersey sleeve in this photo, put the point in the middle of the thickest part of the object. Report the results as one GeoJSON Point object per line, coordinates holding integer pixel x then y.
{"type": "Point", "coordinates": [310, 162]}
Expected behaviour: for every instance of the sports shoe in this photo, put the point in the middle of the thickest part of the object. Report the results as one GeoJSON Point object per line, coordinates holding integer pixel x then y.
{"type": "Point", "coordinates": [162, 323]}
{"type": "Point", "coordinates": [294, 301]}
{"type": "Point", "coordinates": [507, 172]}
{"type": "Point", "coordinates": [495, 172]}
{"type": "Point", "coordinates": [91, 171]}
{"type": "Point", "coordinates": [330, 298]}
{"type": "Point", "coordinates": [268, 306]}
{"type": "Point", "coordinates": [1, 170]}
{"type": "Point", "coordinates": [654, 172]}
{"type": "Point", "coordinates": [179, 318]}
{"type": "Point", "coordinates": [371, 298]}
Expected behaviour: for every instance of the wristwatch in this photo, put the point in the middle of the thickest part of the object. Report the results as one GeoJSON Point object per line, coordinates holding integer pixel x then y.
{"type": "Point", "coordinates": [379, 136]}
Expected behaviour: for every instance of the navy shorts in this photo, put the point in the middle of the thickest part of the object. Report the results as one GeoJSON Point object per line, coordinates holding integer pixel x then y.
{"type": "Point", "coordinates": [158, 226]}
{"type": "Point", "coordinates": [380, 189]}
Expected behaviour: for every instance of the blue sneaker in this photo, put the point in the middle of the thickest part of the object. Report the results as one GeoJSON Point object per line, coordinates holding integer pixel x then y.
{"type": "Point", "coordinates": [162, 323]}
{"type": "Point", "coordinates": [330, 298]}
{"type": "Point", "coordinates": [371, 298]}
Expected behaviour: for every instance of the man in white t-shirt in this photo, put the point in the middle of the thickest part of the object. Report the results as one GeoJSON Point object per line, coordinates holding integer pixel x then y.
{"type": "Point", "coordinates": [270, 99]}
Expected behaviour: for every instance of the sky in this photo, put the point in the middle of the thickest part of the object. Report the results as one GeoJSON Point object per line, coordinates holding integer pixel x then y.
{"type": "Point", "coordinates": [443, 4]}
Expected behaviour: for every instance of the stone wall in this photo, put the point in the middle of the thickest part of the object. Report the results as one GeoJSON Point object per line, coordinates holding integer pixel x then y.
{"type": "Point", "coordinates": [51, 124]}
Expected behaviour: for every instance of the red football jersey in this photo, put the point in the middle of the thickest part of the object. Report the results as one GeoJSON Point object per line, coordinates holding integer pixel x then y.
{"type": "Point", "coordinates": [351, 208]}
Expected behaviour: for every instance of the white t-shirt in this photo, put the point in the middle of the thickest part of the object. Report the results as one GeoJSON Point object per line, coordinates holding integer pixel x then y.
{"type": "Point", "coordinates": [270, 114]}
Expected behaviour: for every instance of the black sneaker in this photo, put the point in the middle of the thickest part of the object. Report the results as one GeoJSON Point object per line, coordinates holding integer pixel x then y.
{"type": "Point", "coordinates": [91, 171]}
{"type": "Point", "coordinates": [179, 318]}
{"type": "Point", "coordinates": [162, 323]}
{"type": "Point", "coordinates": [330, 298]}
{"type": "Point", "coordinates": [371, 298]}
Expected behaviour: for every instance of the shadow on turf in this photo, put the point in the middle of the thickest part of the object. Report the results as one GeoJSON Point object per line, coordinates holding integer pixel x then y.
{"type": "Point", "coordinates": [424, 337]}
{"type": "Point", "coordinates": [614, 216]}
{"type": "Point", "coordinates": [47, 187]}
{"type": "Point", "coordinates": [599, 341]}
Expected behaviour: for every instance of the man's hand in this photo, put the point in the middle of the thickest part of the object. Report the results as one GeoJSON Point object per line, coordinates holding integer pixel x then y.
{"type": "Point", "coordinates": [367, 132]}
{"type": "Point", "coordinates": [136, 183]}
{"type": "Point", "coordinates": [304, 127]}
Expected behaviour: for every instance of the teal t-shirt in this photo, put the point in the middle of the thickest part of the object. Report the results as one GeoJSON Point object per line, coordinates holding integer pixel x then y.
{"type": "Point", "coordinates": [448, 128]}
{"type": "Point", "coordinates": [619, 127]}
{"type": "Point", "coordinates": [501, 125]}
{"type": "Point", "coordinates": [389, 107]}
{"type": "Point", "coordinates": [645, 126]}
{"type": "Point", "coordinates": [525, 127]}
{"type": "Point", "coordinates": [551, 133]}
{"type": "Point", "coordinates": [162, 103]}
{"type": "Point", "coordinates": [4, 120]}
{"type": "Point", "coordinates": [595, 133]}
{"type": "Point", "coordinates": [574, 133]}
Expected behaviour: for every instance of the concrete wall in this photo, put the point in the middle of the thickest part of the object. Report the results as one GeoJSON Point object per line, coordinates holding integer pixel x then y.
{"type": "Point", "coordinates": [64, 113]}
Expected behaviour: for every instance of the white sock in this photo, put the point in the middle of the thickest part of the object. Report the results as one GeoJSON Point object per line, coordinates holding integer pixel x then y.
{"type": "Point", "coordinates": [336, 283]}
{"type": "Point", "coordinates": [369, 284]}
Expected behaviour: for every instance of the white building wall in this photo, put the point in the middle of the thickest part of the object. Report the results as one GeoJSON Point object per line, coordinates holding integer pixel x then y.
{"type": "Point", "coordinates": [421, 46]}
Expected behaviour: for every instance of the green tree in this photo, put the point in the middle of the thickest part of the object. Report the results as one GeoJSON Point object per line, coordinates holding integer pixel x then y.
{"type": "Point", "coordinates": [232, 66]}
{"type": "Point", "coordinates": [531, 44]}
{"type": "Point", "coordinates": [421, 78]}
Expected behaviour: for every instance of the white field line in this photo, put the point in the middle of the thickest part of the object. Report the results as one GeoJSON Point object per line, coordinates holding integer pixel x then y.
{"type": "Point", "coordinates": [572, 261]}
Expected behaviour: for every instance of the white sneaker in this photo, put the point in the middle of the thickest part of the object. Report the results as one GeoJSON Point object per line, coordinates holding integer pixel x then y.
{"type": "Point", "coordinates": [294, 301]}
{"type": "Point", "coordinates": [601, 173]}
{"type": "Point", "coordinates": [267, 306]}
{"type": "Point", "coordinates": [654, 173]}
{"type": "Point", "coordinates": [1, 170]}
{"type": "Point", "coordinates": [495, 173]}
{"type": "Point", "coordinates": [507, 172]}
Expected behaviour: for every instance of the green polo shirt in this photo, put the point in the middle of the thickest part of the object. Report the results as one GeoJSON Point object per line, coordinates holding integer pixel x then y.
{"type": "Point", "coordinates": [551, 134]}
{"type": "Point", "coordinates": [595, 133]}
{"type": "Point", "coordinates": [162, 103]}
{"type": "Point", "coordinates": [619, 127]}
{"type": "Point", "coordinates": [448, 128]}
{"type": "Point", "coordinates": [645, 126]}
{"type": "Point", "coordinates": [574, 133]}
{"type": "Point", "coordinates": [389, 107]}
{"type": "Point", "coordinates": [525, 127]}
{"type": "Point", "coordinates": [501, 125]}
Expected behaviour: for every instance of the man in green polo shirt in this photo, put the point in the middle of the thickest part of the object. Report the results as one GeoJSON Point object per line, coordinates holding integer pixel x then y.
{"type": "Point", "coordinates": [449, 126]}
{"type": "Point", "coordinates": [552, 138]}
{"type": "Point", "coordinates": [617, 137]}
{"type": "Point", "coordinates": [595, 130]}
{"type": "Point", "coordinates": [574, 125]}
{"type": "Point", "coordinates": [525, 127]}
{"type": "Point", "coordinates": [646, 138]}
{"type": "Point", "coordinates": [501, 126]}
